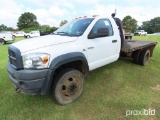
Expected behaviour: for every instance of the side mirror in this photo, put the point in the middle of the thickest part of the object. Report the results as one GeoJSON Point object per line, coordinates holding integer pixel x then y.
{"type": "Point", "coordinates": [102, 32]}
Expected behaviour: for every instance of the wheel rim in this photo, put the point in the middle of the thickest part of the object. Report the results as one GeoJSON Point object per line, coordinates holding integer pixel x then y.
{"type": "Point", "coordinates": [146, 58]}
{"type": "Point", "coordinates": [1, 42]}
{"type": "Point", "coordinates": [71, 86]}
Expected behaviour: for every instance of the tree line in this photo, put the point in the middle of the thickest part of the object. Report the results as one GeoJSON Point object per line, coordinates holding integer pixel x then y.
{"type": "Point", "coordinates": [28, 22]}
{"type": "Point", "coordinates": [5, 28]}
{"type": "Point", "coordinates": [151, 26]}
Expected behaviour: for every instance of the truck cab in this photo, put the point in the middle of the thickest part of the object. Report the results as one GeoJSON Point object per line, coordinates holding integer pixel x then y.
{"type": "Point", "coordinates": [93, 34]}
{"type": "Point", "coordinates": [18, 34]}
{"type": "Point", "coordinates": [32, 34]}
{"type": "Point", "coordinates": [58, 63]}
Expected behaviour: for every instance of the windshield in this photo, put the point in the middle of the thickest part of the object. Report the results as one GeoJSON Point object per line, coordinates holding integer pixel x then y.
{"type": "Point", "coordinates": [74, 28]}
{"type": "Point", "coordinates": [138, 30]}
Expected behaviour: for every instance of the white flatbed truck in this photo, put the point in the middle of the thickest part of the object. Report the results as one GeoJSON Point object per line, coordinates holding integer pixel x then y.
{"type": "Point", "coordinates": [57, 63]}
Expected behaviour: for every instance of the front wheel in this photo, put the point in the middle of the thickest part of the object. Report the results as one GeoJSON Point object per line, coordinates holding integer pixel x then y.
{"type": "Point", "coordinates": [67, 86]}
{"type": "Point", "coordinates": [28, 36]}
{"type": "Point", "coordinates": [13, 37]}
{"type": "Point", "coordinates": [2, 42]}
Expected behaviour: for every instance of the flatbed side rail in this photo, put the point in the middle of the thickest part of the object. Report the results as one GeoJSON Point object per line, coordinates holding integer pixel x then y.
{"type": "Point", "coordinates": [134, 45]}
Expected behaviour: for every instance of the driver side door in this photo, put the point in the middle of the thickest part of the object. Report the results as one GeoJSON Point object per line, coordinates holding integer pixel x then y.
{"type": "Point", "coordinates": [101, 50]}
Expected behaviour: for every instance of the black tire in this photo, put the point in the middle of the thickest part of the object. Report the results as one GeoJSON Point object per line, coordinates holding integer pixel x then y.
{"type": "Point", "coordinates": [129, 38]}
{"type": "Point", "coordinates": [2, 42]}
{"type": "Point", "coordinates": [14, 36]}
{"type": "Point", "coordinates": [68, 86]}
{"type": "Point", "coordinates": [144, 57]}
{"type": "Point", "coordinates": [136, 57]}
{"type": "Point", "coordinates": [28, 36]}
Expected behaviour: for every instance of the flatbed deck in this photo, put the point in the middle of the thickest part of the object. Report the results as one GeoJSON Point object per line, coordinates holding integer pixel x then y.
{"type": "Point", "coordinates": [133, 45]}
{"type": "Point", "coordinates": [128, 36]}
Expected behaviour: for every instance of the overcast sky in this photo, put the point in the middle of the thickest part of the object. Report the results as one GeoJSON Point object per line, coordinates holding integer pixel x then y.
{"type": "Point", "coordinates": [52, 12]}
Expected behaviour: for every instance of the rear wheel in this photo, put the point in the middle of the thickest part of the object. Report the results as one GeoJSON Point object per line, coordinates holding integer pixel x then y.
{"type": "Point", "coordinates": [67, 86]}
{"type": "Point", "coordinates": [2, 42]}
{"type": "Point", "coordinates": [144, 57]}
{"type": "Point", "coordinates": [28, 36]}
{"type": "Point", "coordinates": [129, 38]}
{"type": "Point", "coordinates": [136, 57]}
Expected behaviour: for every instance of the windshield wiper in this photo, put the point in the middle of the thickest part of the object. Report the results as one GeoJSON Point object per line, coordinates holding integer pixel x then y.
{"type": "Point", "coordinates": [62, 33]}
{"type": "Point", "coordinates": [65, 33]}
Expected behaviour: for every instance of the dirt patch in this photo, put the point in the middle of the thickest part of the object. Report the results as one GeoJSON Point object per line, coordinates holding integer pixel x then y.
{"type": "Point", "coordinates": [157, 87]}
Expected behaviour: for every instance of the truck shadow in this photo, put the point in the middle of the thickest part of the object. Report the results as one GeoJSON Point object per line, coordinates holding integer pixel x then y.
{"type": "Point", "coordinates": [8, 43]}
{"type": "Point", "coordinates": [110, 70]}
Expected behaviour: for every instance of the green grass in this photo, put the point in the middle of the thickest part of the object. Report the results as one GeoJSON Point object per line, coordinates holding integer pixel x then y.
{"type": "Point", "coordinates": [108, 93]}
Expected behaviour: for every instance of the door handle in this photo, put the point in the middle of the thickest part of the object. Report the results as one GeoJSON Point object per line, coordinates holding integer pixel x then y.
{"type": "Point", "coordinates": [114, 41]}
{"type": "Point", "coordinates": [90, 47]}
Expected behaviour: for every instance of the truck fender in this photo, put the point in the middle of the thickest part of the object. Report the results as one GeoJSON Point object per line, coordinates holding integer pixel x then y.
{"type": "Point", "coordinates": [59, 61]}
{"type": "Point", "coordinates": [66, 58]}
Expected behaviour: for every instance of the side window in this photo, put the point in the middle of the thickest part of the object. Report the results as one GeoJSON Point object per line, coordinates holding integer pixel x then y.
{"type": "Point", "coordinates": [103, 23]}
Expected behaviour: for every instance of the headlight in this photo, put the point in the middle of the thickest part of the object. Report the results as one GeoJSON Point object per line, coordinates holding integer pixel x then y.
{"type": "Point", "coordinates": [36, 60]}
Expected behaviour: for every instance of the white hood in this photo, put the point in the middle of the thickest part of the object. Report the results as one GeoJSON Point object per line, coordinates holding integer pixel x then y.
{"type": "Point", "coordinates": [39, 42]}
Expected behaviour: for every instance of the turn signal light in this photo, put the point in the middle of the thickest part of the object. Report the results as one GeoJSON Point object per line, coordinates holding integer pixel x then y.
{"type": "Point", "coordinates": [45, 59]}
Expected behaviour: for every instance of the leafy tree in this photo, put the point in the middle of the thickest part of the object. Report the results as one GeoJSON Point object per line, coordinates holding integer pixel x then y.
{"type": "Point", "coordinates": [47, 29]}
{"type": "Point", "coordinates": [27, 30]}
{"type": "Point", "coordinates": [130, 24]}
{"type": "Point", "coordinates": [145, 26]}
{"type": "Point", "coordinates": [151, 26]}
{"type": "Point", "coordinates": [63, 22]}
{"type": "Point", "coordinates": [10, 29]}
{"type": "Point", "coordinates": [154, 25]}
{"type": "Point", "coordinates": [3, 27]}
{"type": "Point", "coordinates": [27, 20]}
{"type": "Point", "coordinates": [54, 28]}
{"type": "Point", "coordinates": [44, 28]}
